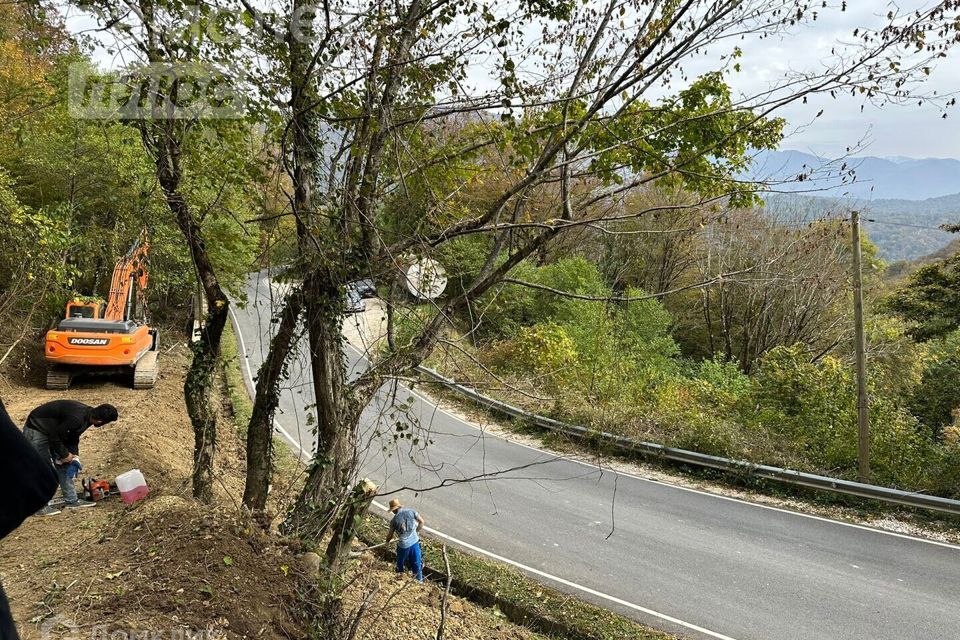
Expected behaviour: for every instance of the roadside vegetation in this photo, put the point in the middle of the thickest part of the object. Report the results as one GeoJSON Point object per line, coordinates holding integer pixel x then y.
{"type": "Point", "coordinates": [757, 367]}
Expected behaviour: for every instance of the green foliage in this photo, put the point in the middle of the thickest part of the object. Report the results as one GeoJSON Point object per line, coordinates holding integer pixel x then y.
{"type": "Point", "coordinates": [711, 141]}
{"type": "Point", "coordinates": [930, 299]}
{"type": "Point", "coordinates": [935, 400]}
{"type": "Point", "coordinates": [543, 348]}
{"type": "Point", "coordinates": [622, 349]}
{"type": "Point", "coordinates": [462, 259]}
{"type": "Point", "coordinates": [645, 330]}
{"type": "Point", "coordinates": [604, 351]}
{"type": "Point", "coordinates": [34, 275]}
{"type": "Point", "coordinates": [895, 363]}
{"type": "Point", "coordinates": [575, 276]}
{"type": "Point", "coordinates": [697, 131]}
{"type": "Point", "coordinates": [809, 410]}
{"type": "Point", "coordinates": [810, 406]}
{"type": "Point", "coordinates": [617, 368]}
{"type": "Point", "coordinates": [9, 203]}
{"type": "Point", "coordinates": [722, 384]}
{"type": "Point", "coordinates": [409, 322]}
{"type": "Point", "coordinates": [432, 195]}
{"type": "Point", "coordinates": [222, 172]}
{"type": "Point", "coordinates": [505, 308]}
{"type": "Point", "coordinates": [684, 413]}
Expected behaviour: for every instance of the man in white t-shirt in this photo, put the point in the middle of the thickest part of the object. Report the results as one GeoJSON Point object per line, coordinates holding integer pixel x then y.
{"type": "Point", "coordinates": [406, 524]}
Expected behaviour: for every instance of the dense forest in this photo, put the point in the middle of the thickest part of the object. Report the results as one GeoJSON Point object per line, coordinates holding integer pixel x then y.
{"type": "Point", "coordinates": [903, 230]}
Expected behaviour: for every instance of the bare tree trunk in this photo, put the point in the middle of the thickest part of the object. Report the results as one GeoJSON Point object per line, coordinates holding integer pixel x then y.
{"type": "Point", "coordinates": [260, 429]}
{"type": "Point", "coordinates": [164, 141]}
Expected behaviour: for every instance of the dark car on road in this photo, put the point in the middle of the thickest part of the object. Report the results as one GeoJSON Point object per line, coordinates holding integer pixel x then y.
{"type": "Point", "coordinates": [357, 291]}
{"type": "Point", "coordinates": [364, 288]}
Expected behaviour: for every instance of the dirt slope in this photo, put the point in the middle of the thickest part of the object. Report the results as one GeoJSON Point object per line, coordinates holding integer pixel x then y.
{"type": "Point", "coordinates": [169, 566]}
{"type": "Point", "coordinates": [165, 564]}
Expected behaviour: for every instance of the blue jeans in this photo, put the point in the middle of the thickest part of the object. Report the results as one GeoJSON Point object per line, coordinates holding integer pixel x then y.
{"type": "Point", "coordinates": [412, 557]}
{"type": "Point", "coordinates": [42, 445]}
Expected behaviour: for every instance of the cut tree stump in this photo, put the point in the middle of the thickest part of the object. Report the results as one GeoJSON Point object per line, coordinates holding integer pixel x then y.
{"type": "Point", "coordinates": [345, 528]}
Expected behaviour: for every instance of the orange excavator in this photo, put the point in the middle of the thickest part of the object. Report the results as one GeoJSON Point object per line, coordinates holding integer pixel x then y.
{"type": "Point", "coordinates": [107, 336]}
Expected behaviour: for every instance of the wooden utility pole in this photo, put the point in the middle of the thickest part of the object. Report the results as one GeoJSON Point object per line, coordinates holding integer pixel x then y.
{"type": "Point", "coordinates": [863, 407]}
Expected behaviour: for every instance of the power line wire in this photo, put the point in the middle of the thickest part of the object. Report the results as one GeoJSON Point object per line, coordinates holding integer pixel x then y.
{"type": "Point", "coordinates": [904, 224]}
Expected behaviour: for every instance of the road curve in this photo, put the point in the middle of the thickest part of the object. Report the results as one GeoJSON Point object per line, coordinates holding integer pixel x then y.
{"type": "Point", "coordinates": [689, 562]}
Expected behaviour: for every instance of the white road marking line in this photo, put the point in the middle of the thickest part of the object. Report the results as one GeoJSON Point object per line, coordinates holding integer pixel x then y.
{"type": "Point", "coordinates": [853, 525]}
{"type": "Point", "coordinates": [573, 585]}
{"type": "Point", "coordinates": [304, 456]}
{"type": "Point", "coordinates": [523, 567]}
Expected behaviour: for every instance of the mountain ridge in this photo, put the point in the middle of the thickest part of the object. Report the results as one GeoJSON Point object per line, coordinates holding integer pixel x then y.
{"type": "Point", "coordinates": [903, 200]}
{"type": "Point", "coordinates": [867, 177]}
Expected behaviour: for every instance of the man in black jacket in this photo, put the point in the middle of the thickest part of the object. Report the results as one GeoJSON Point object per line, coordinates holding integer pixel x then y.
{"type": "Point", "coordinates": [54, 430]}
{"type": "Point", "coordinates": [28, 482]}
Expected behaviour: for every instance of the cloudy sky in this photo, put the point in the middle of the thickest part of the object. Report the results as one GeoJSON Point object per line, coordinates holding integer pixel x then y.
{"type": "Point", "coordinates": [892, 130]}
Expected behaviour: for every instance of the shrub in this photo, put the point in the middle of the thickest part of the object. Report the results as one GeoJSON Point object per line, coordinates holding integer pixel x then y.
{"type": "Point", "coordinates": [900, 455]}
{"type": "Point", "coordinates": [721, 384]}
{"type": "Point", "coordinates": [688, 423]}
{"type": "Point", "coordinates": [645, 332]}
{"type": "Point", "coordinates": [543, 349]}
{"type": "Point", "coordinates": [462, 259]}
{"type": "Point", "coordinates": [570, 275]}
{"type": "Point", "coordinates": [809, 406]}
{"type": "Point", "coordinates": [942, 471]}
{"type": "Point", "coordinates": [501, 312]}
{"type": "Point", "coordinates": [937, 396]}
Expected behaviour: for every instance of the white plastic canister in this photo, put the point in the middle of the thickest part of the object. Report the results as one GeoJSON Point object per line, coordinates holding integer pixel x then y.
{"type": "Point", "coordinates": [132, 486]}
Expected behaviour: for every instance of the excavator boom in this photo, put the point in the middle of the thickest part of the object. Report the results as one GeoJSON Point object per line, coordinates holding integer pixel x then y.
{"type": "Point", "coordinates": [130, 277]}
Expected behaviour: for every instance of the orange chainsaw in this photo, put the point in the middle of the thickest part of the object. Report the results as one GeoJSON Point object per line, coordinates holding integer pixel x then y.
{"type": "Point", "coordinates": [96, 490]}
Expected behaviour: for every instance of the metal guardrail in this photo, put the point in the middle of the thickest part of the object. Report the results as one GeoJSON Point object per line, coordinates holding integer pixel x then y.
{"type": "Point", "coordinates": [824, 483]}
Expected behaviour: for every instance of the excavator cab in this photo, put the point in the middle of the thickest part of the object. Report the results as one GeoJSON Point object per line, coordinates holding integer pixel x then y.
{"type": "Point", "coordinates": [107, 336]}
{"type": "Point", "coordinates": [91, 310]}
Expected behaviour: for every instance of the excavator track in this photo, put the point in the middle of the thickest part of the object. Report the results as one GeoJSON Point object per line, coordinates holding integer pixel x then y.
{"type": "Point", "coordinates": [145, 372]}
{"type": "Point", "coordinates": [58, 379]}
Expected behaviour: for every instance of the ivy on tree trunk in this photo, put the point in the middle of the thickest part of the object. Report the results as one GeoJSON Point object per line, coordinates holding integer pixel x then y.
{"type": "Point", "coordinates": [260, 428]}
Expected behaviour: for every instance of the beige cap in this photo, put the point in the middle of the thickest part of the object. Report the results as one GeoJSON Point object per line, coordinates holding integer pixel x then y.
{"type": "Point", "coordinates": [394, 505]}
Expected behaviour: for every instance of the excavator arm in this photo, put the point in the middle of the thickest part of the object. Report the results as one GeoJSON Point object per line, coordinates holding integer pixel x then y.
{"type": "Point", "coordinates": [129, 282]}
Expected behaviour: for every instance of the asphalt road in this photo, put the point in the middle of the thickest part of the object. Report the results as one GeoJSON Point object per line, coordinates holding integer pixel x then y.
{"type": "Point", "coordinates": [693, 563]}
